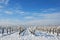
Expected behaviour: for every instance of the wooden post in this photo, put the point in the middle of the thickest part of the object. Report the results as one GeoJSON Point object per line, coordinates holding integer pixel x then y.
{"type": "Point", "coordinates": [57, 33]}
{"type": "Point", "coordinates": [58, 30]}
{"type": "Point", "coordinates": [2, 31]}
{"type": "Point", "coordinates": [10, 30]}
{"type": "Point", "coordinates": [47, 30]}
{"type": "Point", "coordinates": [7, 30]}
{"type": "Point", "coordinates": [50, 30]}
{"type": "Point", "coordinates": [53, 30]}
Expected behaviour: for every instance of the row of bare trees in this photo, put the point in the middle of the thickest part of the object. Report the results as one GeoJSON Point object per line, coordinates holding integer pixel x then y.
{"type": "Point", "coordinates": [7, 30]}
{"type": "Point", "coordinates": [49, 29]}
{"type": "Point", "coordinates": [52, 30]}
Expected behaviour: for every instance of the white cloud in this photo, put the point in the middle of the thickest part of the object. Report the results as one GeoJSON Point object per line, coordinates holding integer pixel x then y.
{"type": "Point", "coordinates": [10, 21]}
{"type": "Point", "coordinates": [48, 10]}
{"type": "Point", "coordinates": [1, 1]}
{"type": "Point", "coordinates": [29, 17]}
{"type": "Point", "coordinates": [52, 18]}
{"type": "Point", "coordinates": [8, 12]}
{"type": "Point", "coordinates": [20, 12]}
{"type": "Point", "coordinates": [44, 21]}
{"type": "Point", "coordinates": [1, 7]}
{"type": "Point", "coordinates": [48, 18]}
{"type": "Point", "coordinates": [51, 15]}
{"type": "Point", "coordinates": [5, 2]}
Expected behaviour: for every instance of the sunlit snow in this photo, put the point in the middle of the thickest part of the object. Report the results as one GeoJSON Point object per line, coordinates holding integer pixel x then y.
{"type": "Point", "coordinates": [27, 35]}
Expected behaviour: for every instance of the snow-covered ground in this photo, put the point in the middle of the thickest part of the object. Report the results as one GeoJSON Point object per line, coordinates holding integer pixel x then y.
{"type": "Point", "coordinates": [27, 35]}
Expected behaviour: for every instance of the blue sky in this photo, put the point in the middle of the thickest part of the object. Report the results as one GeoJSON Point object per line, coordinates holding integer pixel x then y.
{"type": "Point", "coordinates": [30, 11]}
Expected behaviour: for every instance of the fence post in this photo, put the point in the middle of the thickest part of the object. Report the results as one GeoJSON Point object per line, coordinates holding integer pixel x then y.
{"type": "Point", "coordinates": [53, 30]}
{"type": "Point", "coordinates": [7, 30]}
{"type": "Point", "coordinates": [57, 33]}
{"type": "Point", "coordinates": [2, 31]}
